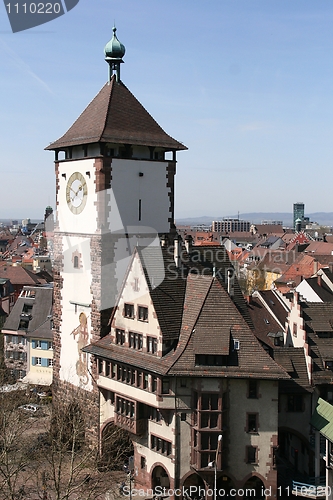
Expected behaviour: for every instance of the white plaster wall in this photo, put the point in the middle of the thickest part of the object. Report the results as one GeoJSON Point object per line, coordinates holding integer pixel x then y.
{"type": "Point", "coordinates": [140, 297]}
{"type": "Point", "coordinates": [141, 395]}
{"type": "Point", "coordinates": [128, 188]}
{"type": "Point", "coordinates": [85, 222]}
{"type": "Point", "coordinates": [267, 408]}
{"type": "Point", "coordinates": [106, 408]}
{"type": "Point", "coordinates": [307, 292]}
{"type": "Point", "coordinates": [69, 356]}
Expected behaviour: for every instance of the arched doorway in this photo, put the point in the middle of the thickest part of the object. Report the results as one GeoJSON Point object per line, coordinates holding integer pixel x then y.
{"type": "Point", "coordinates": [160, 478]}
{"type": "Point", "coordinates": [223, 486]}
{"type": "Point", "coordinates": [116, 447]}
{"type": "Point", "coordinates": [194, 487]}
{"type": "Point", "coordinates": [254, 483]}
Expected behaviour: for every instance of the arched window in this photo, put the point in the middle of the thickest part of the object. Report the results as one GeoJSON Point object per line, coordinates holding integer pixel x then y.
{"type": "Point", "coordinates": [76, 262]}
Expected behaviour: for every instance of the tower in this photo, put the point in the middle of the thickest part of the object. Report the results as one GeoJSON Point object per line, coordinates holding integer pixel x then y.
{"type": "Point", "coordinates": [298, 212]}
{"type": "Point", "coordinates": [114, 191]}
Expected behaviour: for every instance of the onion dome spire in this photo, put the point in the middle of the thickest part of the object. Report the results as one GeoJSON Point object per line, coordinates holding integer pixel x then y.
{"type": "Point", "coordinates": [114, 51]}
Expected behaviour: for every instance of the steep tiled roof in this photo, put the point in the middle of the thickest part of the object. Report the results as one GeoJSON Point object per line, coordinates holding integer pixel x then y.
{"type": "Point", "coordinates": [318, 316]}
{"type": "Point", "coordinates": [168, 297]}
{"type": "Point", "coordinates": [218, 324]}
{"type": "Point", "coordinates": [273, 304]}
{"type": "Point", "coordinates": [215, 259]}
{"type": "Point", "coordinates": [116, 116]}
{"type": "Point", "coordinates": [39, 324]}
{"type": "Point", "coordinates": [292, 359]}
{"type": "Point", "coordinates": [263, 321]}
{"type": "Point", "coordinates": [210, 323]}
{"type": "Point", "coordinates": [322, 290]}
{"type": "Point", "coordinates": [18, 275]}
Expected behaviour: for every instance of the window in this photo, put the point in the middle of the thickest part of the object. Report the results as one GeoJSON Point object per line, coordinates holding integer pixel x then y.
{"type": "Point", "coordinates": [160, 445]}
{"type": "Point", "coordinates": [143, 462]}
{"type": "Point", "coordinates": [295, 403]}
{"type": "Point", "coordinates": [209, 401]}
{"type": "Point", "coordinates": [251, 454]}
{"type": "Point", "coordinates": [252, 422]}
{"type": "Point", "coordinates": [76, 262]}
{"type": "Point", "coordinates": [236, 345]}
{"type": "Point", "coordinates": [165, 386]}
{"type": "Point", "coordinates": [152, 345]}
{"type": "Point", "coordinates": [135, 340]}
{"type": "Point", "coordinates": [129, 311]}
{"type": "Point", "coordinates": [120, 337]}
{"type": "Point", "coordinates": [295, 329]}
{"type": "Point", "coordinates": [125, 407]}
{"type": "Point", "coordinates": [24, 323]}
{"type": "Point", "coordinates": [253, 389]}
{"type": "Point", "coordinates": [100, 366]}
{"type": "Point", "coordinates": [155, 414]}
{"type": "Point", "coordinates": [50, 362]}
{"type": "Point", "coordinates": [27, 308]}
{"type": "Point", "coordinates": [50, 345]}
{"type": "Point", "coordinates": [38, 361]}
{"type": "Point", "coordinates": [38, 344]}
{"type": "Point", "coordinates": [154, 384]}
{"type": "Point", "coordinates": [143, 313]}
{"type": "Point", "coordinates": [183, 417]}
{"type": "Point", "coordinates": [145, 381]}
{"type": "Point", "coordinates": [136, 284]}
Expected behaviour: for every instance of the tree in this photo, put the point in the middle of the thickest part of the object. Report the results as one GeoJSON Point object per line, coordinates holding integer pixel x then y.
{"type": "Point", "coordinates": [14, 445]}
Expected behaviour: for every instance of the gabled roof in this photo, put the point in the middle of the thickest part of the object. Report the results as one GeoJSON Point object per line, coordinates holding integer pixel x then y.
{"type": "Point", "coordinates": [292, 359]}
{"type": "Point", "coordinates": [211, 323]}
{"type": "Point", "coordinates": [18, 275]}
{"type": "Point", "coordinates": [39, 324]}
{"type": "Point", "coordinates": [116, 116]}
{"type": "Point", "coordinates": [168, 297]}
{"type": "Point", "coordinates": [321, 290]}
{"type": "Point", "coordinates": [318, 316]}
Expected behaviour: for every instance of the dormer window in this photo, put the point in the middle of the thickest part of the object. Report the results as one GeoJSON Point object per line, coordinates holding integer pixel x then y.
{"type": "Point", "coordinates": [143, 313]}
{"type": "Point", "coordinates": [152, 345]}
{"type": "Point", "coordinates": [329, 365]}
{"type": "Point", "coordinates": [129, 311]}
{"type": "Point", "coordinates": [120, 337]}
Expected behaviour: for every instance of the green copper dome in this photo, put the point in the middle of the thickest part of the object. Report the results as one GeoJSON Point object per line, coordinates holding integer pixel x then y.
{"type": "Point", "coordinates": [114, 49]}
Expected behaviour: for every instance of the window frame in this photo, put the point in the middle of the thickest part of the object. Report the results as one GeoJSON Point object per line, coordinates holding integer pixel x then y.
{"type": "Point", "coordinates": [129, 310]}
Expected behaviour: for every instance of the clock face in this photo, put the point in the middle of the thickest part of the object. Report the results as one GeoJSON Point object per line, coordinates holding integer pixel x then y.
{"type": "Point", "coordinates": [76, 193]}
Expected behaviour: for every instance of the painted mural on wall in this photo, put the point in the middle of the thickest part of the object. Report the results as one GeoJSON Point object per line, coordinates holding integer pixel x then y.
{"type": "Point", "coordinates": [81, 333]}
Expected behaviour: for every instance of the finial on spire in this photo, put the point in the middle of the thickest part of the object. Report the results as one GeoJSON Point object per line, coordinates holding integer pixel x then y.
{"type": "Point", "coordinates": [114, 52]}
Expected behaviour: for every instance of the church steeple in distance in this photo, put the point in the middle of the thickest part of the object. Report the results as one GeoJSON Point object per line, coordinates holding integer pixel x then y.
{"type": "Point", "coordinates": [114, 51]}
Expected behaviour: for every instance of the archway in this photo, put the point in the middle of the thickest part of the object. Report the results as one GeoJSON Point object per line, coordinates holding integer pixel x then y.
{"type": "Point", "coordinates": [194, 487]}
{"type": "Point", "coordinates": [160, 478]}
{"type": "Point", "coordinates": [116, 447]}
{"type": "Point", "coordinates": [256, 484]}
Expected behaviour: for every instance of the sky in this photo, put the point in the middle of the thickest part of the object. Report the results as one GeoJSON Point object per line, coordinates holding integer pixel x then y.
{"type": "Point", "coordinates": [246, 85]}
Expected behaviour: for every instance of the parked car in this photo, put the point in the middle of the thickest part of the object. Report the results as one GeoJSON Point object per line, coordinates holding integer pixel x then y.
{"type": "Point", "coordinates": [31, 408]}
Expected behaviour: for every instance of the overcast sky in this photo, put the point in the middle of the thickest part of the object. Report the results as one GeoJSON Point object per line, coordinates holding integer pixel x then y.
{"type": "Point", "coordinates": [246, 85]}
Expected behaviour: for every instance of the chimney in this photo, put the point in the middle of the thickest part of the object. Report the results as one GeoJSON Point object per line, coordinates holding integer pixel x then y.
{"type": "Point", "coordinates": [230, 281]}
{"type": "Point", "coordinates": [176, 250]}
{"type": "Point", "coordinates": [164, 240]}
{"type": "Point", "coordinates": [315, 266]}
{"type": "Point", "coordinates": [188, 243]}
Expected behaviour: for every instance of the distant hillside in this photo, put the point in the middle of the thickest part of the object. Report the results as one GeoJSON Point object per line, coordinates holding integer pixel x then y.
{"type": "Point", "coordinates": [323, 218]}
